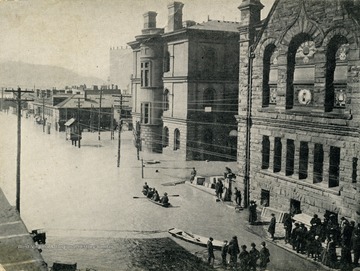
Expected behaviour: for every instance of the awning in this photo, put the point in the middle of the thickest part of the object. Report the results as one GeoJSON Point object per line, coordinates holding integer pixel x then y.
{"type": "Point", "coordinates": [70, 122]}
{"type": "Point", "coordinates": [233, 133]}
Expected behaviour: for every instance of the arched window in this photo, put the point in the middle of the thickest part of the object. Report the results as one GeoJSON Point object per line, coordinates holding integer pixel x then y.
{"type": "Point", "coordinates": [166, 100]}
{"type": "Point", "coordinates": [176, 139]}
{"type": "Point", "coordinates": [300, 71]}
{"type": "Point", "coordinates": [165, 137]}
{"type": "Point", "coordinates": [209, 97]}
{"type": "Point", "coordinates": [269, 75]}
{"type": "Point", "coordinates": [336, 73]}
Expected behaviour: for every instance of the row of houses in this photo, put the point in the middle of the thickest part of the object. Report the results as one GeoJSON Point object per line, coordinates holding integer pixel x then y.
{"type": "Point", "coordinates": [280, 96]}
{"type": "Point", "coordinates": [92, 109]}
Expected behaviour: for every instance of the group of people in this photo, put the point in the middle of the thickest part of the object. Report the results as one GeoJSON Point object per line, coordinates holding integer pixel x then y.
{"type": "Point", "coordinates": [153, 194]}
{"type": "Point", "coordinates": [343, 234]}
{"type": "Point", "coordinates": [248, 260]}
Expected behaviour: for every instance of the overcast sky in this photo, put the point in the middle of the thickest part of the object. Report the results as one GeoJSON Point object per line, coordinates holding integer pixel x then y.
{"type": "Point", "coordinates": [77, 34]}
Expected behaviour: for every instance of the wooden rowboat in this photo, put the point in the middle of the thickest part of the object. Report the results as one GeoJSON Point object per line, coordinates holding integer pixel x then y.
{"type": "Point", "coordinates": [159, 203]}
{"type": "Point", "coordinates": [194, 238]}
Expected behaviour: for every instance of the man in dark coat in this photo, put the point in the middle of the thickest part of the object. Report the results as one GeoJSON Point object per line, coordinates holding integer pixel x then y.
{"type": "Point", "coordinates": [272, 226]}
{"type": "Point", "coordinates": [252, 212]}
{"type": "Point", "coordinates": [244, 259]}
{"type": "Point", "coordinates": [264, 256]}
{"type": "Point", "coordinates": [355, 241]}
{"type": "Point", "coordinates": [237, 196]}
{"type": "Point", "coordinates": [224, 251]}
{"type": "Point", "coordinates": [233, 250]}
{"type": "Point", "coordinates": [288, 227]}
{"type": "Point", "coordinates": [210, 249]}
{"type": "Point", "coordinates": [165, 199]}
{"type": "Point", "coordinates": [254, 255]}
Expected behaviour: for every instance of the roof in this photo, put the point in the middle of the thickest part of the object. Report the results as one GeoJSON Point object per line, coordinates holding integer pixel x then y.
{"type": "Point", "coordinates": [70, 122]}
{"type": "Point", "coordinates": [217, 25]}
{"type": "Point", "coordinates": [91, 101]}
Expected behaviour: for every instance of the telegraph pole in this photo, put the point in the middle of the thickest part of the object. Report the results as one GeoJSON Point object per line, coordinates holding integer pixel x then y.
{"type": "Point", "coordinates": [18, 101]}
{"type": "Point", "coordinates": [43, 110]}
{"type": "Point", "coordinates": [78, 122]}
{"type": "Point", "coordinates": [99, 113]}
{"type": "Point", "coordinates": [120, 125]}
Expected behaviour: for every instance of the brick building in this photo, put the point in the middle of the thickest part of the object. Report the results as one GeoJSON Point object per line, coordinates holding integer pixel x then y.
{"type": "Point", "coordinates": [299, 112]}
{"type": "Point", "coordinates": [185, 87]}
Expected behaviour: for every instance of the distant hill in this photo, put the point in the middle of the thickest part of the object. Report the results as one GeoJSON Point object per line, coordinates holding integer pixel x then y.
{"type": "Point", "coordinates": [27, 75]}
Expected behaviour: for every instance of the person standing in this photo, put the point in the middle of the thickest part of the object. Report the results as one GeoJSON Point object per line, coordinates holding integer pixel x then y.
{"type": "Point", "coordinates": [252, 212]}
{"type": "Point", "coordinates": [254, 255]}
{"type": "Point", "coordinates": [192, 175]}
{"type": "Point", "coordinates": [264, 256]}
{"type": "Point", "coordinates": [244, 259]}
{"type": "Point", "coordinates": [233, 250]}
{"type": "Point", "coordinates": [330, 257]}
{"type": "Point", "coordinates": [355, 242]}
{"type": "Point", "coordinates": [224, 251]}
{"type": "Point", "coordinates": [210, 249]}
{"type": "Point", "coordinates": [237, 196]}
{"type": "Point", "coordinates": [288, 227]}
{"type": "Point", "coordinates": [219, 189]}
{"type": "Point", "coordinates": [272, 226]}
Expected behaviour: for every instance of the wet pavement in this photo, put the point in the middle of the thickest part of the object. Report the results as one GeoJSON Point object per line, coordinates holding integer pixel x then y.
{"type": "Point", "coordinates": [81, 198]}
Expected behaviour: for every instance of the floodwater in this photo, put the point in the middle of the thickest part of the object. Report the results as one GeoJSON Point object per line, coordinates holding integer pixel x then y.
{"type": "Point", "coordinates": [86, 204]}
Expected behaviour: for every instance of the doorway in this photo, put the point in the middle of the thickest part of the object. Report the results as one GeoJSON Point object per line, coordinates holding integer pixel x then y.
{"type": "Point", "coordinates": [295, 207]}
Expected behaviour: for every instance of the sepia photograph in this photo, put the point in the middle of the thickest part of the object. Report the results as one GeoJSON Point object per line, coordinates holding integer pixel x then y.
{"type": "Point", "coordinates": [190, 135]}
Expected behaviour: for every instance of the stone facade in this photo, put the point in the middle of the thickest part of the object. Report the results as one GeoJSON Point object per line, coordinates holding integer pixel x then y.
{"type": "Point", "coordinates": [194, 100]}
{"type": "Point", "coordinates": [299, 111]}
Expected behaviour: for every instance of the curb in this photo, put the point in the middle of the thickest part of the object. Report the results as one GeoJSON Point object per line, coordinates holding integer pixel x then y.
{"type": "Point", "coordinates": [206, 190]}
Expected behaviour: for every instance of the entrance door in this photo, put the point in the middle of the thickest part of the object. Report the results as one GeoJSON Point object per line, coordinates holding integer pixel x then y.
{"type": "Point", "coordinates": [295, 207]}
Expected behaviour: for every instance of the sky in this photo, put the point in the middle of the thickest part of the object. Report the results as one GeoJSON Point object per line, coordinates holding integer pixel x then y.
{"type": "Point", "coordinates": [78, 34]}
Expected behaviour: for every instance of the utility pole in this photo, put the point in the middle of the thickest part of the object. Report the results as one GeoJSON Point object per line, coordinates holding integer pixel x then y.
{"type": "Point", "coordinates": [43, 110]}
{"type": "Point", "coordinates": [78, 121]}
{"type": "Point", "coordinates": [112, 124]}
{"type": "Point", "coordinates": [120, 124]}
{"type": "Point", "coordinates": [2, 99]}
{"type": "Point", "coordinates": [18, 101]}
{"type": "Point", "coordinates": [99, 113]}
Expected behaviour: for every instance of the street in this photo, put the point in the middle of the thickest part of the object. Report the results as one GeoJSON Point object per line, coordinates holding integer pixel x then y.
{"type": "Point", "coordinates": [85, 203]}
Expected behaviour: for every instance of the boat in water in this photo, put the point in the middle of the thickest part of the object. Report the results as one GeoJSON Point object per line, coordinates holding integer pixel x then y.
{"type": "Point", "coordinates": [194, 238]}
{"type": "Point", "coordinates": [160, 203]}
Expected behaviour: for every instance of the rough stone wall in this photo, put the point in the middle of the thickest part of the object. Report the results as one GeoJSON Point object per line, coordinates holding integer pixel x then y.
{"type": "Point", "coordinates": [311, 124]}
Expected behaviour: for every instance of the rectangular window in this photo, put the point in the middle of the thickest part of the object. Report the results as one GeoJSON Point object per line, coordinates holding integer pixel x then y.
{"type": "Point", "coordinates": [290, 157]}
{"type": "Point", "coordinates": [265, 152]}
{"type": "Point", "coordinates": [318, 163]}
{"type": "Point", "coordinates": [145, 74]}
{"type": "Point", "coordinates": [145, 113]}
{"type": "Point", "coordinates": [277, 154]}
{"type": "Point", "coordinates": [334, 166]}
{"type": "Point", "coordinates": [303, 160]}
{"type": "Point", "coordinates": [354, 170]}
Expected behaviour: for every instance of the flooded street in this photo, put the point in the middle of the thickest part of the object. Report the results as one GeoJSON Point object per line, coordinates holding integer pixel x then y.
{"type": "Point", "coordinates": [86, 204]}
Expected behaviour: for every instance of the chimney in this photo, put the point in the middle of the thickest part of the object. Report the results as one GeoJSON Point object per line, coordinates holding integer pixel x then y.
{"type": "Point", "coordinates": [150, 19]}
{"type": "Point", "coordinates": [175, 16]}
{"type": "Point", "coordinates": [250, 11]}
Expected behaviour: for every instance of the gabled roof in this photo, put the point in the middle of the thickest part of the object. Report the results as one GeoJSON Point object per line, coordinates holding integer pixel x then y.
{"type": "Point", "coordinates": [91, 101]}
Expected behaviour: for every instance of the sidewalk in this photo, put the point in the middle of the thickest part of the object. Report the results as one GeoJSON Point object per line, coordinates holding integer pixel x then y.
{"type": "Point", "coordinates": [261, 229]}
{"type": "Point", "coordinates": [17, 249]}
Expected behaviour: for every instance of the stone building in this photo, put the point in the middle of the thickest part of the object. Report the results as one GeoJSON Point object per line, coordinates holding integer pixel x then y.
{"type": "Point", "coordinates": [185, 87]}
{"type": "Point", "coordinates": [299, 112]}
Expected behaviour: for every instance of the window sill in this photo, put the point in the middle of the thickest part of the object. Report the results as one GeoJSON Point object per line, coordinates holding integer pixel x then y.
{"type": "Point", "coordinates": [306, 182]}
{"type": "Point", "coordinates": [308, 111]}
